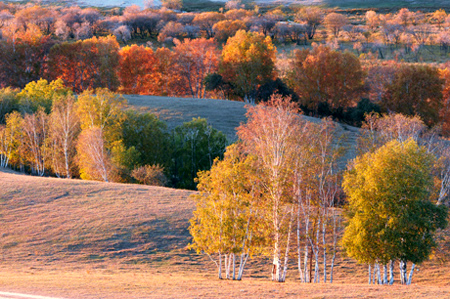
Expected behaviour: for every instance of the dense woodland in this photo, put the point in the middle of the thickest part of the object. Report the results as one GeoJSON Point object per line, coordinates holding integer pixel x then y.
{"type": "Point", "coordinates": [275, 192]}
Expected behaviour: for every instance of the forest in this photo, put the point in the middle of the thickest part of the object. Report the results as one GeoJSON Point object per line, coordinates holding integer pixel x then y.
{"type": "Point", "coordinates": [284, 190]}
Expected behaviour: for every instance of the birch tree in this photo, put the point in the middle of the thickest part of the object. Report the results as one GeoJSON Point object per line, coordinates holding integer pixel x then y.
{"type": "Point", "coordinates": [226, 219]}
{"type": "Point", "coordinates": [10, 138]}
{"type": "Point", "coordinates": [64, 129]}
{"type": "Point", "coordinates": [391, 211]}
{"type": "Point", "coordinates": [36, 131]}
{"type": "Point", "coordinates": [271, 135]}
{"type": "Point", "coordinates": [94, 160]}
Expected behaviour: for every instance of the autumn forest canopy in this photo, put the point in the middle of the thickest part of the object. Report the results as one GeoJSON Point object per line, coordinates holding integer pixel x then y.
{"type": "Point", "coordinates": [287, 189]}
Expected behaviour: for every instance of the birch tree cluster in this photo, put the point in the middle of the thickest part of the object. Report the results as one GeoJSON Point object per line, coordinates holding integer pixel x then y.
{"type": "Point", "coordinates": [47, 130]}
{"type": "Point", "coordinates": [274, 195]}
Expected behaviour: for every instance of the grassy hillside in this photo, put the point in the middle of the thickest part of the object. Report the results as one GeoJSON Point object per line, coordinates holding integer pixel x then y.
{"type": "Point", "coordinates": [80, 239]}
{"type": "Point", "coordinates": [51, 220]}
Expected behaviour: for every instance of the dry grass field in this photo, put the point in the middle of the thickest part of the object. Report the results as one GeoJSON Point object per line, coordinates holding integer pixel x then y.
{"type": "Point", "coordinates": [81, 239]}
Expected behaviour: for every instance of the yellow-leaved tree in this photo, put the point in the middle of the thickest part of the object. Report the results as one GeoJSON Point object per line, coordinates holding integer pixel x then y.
{"type": "Point", "coordinates": [248, 61]}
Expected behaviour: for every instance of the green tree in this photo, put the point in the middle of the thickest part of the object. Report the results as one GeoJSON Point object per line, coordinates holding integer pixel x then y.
{"type": "Point", "coordinates": [148, 134]}
{"type": "Point", "coordinates": [195, 145]}
{"type": "Point", "coordinates": [8, 102]}
{"type": "Point", "coordinates": [391, 215]}
{"type": "Point", "coordinates": [248, 61]}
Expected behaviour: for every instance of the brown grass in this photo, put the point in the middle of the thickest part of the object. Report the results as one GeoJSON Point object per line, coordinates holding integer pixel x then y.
{"type": "Point", "coordinates": [82, 239]}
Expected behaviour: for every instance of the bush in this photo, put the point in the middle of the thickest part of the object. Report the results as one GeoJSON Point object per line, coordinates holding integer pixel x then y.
{"type": "Point", "coordinates": [152, 175]}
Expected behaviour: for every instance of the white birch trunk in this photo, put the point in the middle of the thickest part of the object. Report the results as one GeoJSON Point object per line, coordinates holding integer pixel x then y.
{"type": "Point", "coordinates": [286, 254]}
{"type": "Point", "coordinates": [385, 277]}
{"type": "Point", "coordinates": [403, 278]}
{"type": "Point", "coordinates": [378, 274]}
{"type": "Point", "coordinates": [411, 272]}
{"type": "Point", "coordinates": [244, 258]}
{"type": "Point", "coordinates": [220, 266]}
{"type": "Point", "coordinates": [391, 272]}
{"type": "Point", "coordinates": [234, 266]}
{"type": "Point", "coordinates": [334, 246]}
{"type": "Point", "coordinates": [305, 263]}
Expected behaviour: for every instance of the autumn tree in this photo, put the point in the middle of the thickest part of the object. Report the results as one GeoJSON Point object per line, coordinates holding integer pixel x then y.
{"type": "Point", "coordinates": [172, 4]}
{"type": "Point", "coordinates": [390, 211]}
{"type": "Point", "coordinates": [227, 28]}
{"type": "Point", "coordinates": [415, 89]}
{"type": "Point", "coordinates": [271, 135]}
{"type": "Point", "coordinates": [23, 55]}
{"type": "Point", "coordinates": [444, 113]}
{"type": "Point", "coordinates": [86, 64]}
{"type": "Point", "coordinates": [206, 20]}
{"type": "Point", "coordinates": [248, 61]}
{"type": "Point", "coordinates": [334, 22]}
{"type": "Point", "coordinates": [94, 160]}
{"type": "Point", "coordinates": [41, 93]}
{"type": "Point", "coordinates": [439, 17]}
{"type": "Point", "coordinates": [226, 219]}
{"type": "Point", "coordinates": [312, 16]}
{"type": "Point", "coordinates": [103, 109]}
{"type": "Point", "coordinates": [136, 70]}
{"type": "Point", "coordinates": [11, 139]}
{"type": "Point", "coordinates": [64, 128]}
{"type": "Point", "coordinates": [322, 75]}
{"type": "Point", "coordinates": [152, 175]}
{"type": "Point", "coordinates": [372, 20]}
{"type": "Point", "coordinates": [36, 131]}
{"type": "Point", "coordinates": [193, 60]}
{"type": "Point", "coordinates": [8, 102]}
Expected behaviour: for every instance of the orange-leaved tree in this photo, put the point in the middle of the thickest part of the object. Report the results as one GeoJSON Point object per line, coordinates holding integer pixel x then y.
{"type": "Point", "coordinates": [415, 90]}
{"type": "Point", "coordinates": [136, 70]}
{"type": "Point", "coordinates": [322, 75]}
{"type": "Point", "coordinates": [193, 60]}
{"type": "Point", "coordinates": [86, 64]}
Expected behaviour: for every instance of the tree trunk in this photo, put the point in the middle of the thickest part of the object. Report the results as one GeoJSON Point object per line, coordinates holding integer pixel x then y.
{"type": "Point", "coordinates": [299, 250]}
{"type": "Point", "coordinates": [391, 272]}
{"type": "Point", "coordinates": [378, 274]}
{"type": "Point", "coordinates": [402, 266]}
{"type": "Point", "coordinates": [370, 274]}
{"type": "Point", "coordinates": [244, 257]}
{"type": "Point", "coordinates": [385, 277]}
{"type": "Point", "coordinates": [220, 266]}
{"type": "Point", "coordinates": [234, 266]}
{"type": "Point", "coordinates": [410, 274]}
{"type": "Point", "coordinates": [374, 273]}
{"type": "Point", "coordinates": [324, 252]}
